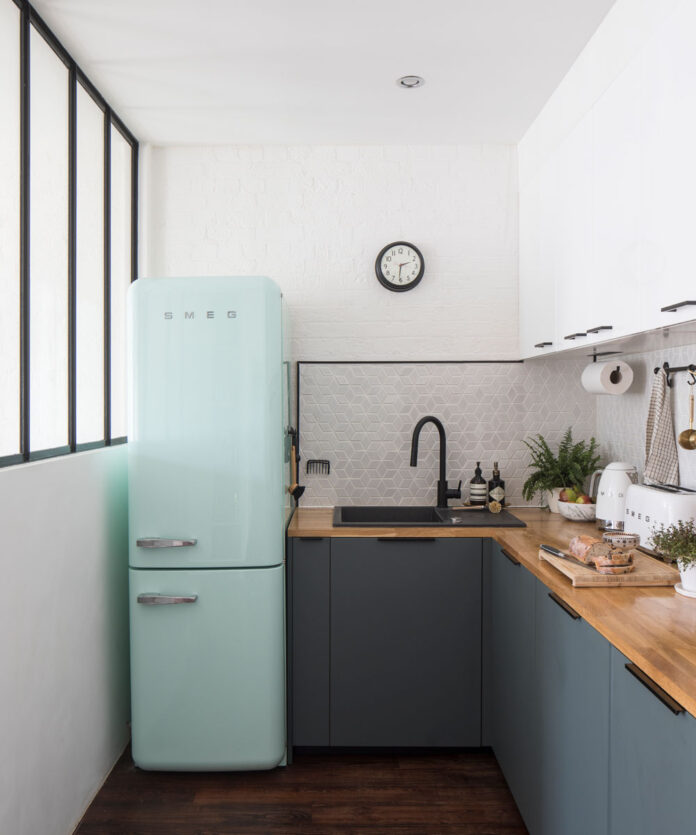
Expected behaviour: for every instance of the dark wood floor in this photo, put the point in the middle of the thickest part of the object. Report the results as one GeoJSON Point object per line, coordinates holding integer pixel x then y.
{"type": "Point", "coordinates": [426, 793]}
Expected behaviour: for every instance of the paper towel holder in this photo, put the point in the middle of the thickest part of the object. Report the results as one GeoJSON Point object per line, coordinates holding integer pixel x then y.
{"type": "Point", "coordinates": [615, 375]}
{"type": "Point", "coordinates": [596, 354]}
{"type": "Point", "coordinates": [691, 368]}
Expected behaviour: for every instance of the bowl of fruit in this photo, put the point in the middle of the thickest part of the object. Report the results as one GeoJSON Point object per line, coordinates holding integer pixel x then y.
{"type": "Point", "coordinates": [575, 505]}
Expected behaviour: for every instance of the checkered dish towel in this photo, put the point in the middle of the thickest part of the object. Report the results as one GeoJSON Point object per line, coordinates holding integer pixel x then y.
{"type": "Point", "coordinates": [661, 462]}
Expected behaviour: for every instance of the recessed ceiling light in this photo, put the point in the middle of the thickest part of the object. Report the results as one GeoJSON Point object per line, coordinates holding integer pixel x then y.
{"type": "Point", "coordinates": [410, 81]}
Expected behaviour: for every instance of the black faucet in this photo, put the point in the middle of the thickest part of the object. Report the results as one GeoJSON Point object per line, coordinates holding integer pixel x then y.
{"type": "Point", "coordinates": [443, 491]}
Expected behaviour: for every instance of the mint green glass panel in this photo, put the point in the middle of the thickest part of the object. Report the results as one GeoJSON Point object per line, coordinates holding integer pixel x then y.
{"type": "Point", "coordinates": [206, 421]}
{"type": "Point", "coordinates": [208, 677]}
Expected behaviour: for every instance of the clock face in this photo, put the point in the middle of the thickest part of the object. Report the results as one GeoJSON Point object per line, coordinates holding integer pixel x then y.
{"type": "Point", "coordinates": [399, 266]}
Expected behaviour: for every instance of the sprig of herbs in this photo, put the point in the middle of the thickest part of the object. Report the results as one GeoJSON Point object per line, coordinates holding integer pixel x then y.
{"type": "Point", "coordinates": [676, 541]}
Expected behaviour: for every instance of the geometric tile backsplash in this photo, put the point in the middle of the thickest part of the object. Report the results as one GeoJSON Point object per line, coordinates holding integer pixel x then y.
{"type": "Point", "coordinates": [621, 420]}
{"type": "Point", "coordinates": [361, 416]}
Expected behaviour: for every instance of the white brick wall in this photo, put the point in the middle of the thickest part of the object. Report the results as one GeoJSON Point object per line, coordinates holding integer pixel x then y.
{"type": "Point", "coordinates": [314, 219]}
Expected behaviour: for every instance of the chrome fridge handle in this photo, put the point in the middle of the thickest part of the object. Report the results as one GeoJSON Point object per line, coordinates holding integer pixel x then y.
{"type": "Point", "coordinates": [161, 542]}
{"type": "Point", "coordinates": [154, 599]}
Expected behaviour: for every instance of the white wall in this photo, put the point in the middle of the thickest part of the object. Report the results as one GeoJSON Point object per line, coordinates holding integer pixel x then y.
{"type": "Point", "coordinates": [63, 636]}
{"type": "Point", "coordinates": [314, 219]}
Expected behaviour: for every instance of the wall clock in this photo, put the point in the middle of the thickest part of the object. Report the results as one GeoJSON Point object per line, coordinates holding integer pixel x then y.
{"type": "Point", "coordinates": [399, 266]}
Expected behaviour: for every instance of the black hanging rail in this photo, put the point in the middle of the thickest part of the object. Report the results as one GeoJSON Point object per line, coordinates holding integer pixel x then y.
{"type": "Point", "coordinates": [675, 370]}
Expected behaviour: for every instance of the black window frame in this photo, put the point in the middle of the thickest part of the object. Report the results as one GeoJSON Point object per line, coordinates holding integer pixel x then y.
{"type": "Point", "coordinates": [29, 18]}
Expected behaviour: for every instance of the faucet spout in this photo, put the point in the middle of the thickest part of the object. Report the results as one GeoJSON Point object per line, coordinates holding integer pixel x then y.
{"type": "Point", "coordinates": [443, 442]}
{"type": "Point", "coordinates": [443, 492]}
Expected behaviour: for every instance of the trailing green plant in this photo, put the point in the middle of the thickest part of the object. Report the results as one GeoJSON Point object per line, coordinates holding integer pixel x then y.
{"type": "Point", "coordinates": [569, 467]}
{"type": "Point", "coordinates": [676, 541]}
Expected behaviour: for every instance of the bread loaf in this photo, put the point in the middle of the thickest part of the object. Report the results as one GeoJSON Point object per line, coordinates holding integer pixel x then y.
{"type": "Point", "coordinates": [580, 546]}
{"type": "Point", "coordinates": [588, 549]}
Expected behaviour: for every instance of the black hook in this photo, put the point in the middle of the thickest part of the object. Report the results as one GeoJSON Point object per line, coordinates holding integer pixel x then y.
{"type": "Point", "coordinates": [691, 368]}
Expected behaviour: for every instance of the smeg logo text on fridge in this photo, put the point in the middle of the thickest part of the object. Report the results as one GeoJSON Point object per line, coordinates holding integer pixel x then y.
{"type": "Point", "coordinates": [207, 314]}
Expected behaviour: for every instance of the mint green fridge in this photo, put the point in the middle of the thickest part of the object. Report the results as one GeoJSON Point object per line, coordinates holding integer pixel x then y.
{"type": "Point", "coordinates": [207, 510]}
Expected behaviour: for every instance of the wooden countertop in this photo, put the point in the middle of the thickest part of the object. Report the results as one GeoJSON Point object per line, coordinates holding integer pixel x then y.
{"type": "Point", "coordinates": [653, 626]}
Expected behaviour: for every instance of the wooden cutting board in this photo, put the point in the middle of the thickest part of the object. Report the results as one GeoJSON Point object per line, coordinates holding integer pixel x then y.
{"type": "Point", "coordinates": [647, 571]}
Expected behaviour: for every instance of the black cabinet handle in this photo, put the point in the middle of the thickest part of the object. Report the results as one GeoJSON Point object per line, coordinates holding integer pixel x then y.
{"type": "Point", "coordinates": [405, 539]}
{"type": "Point", "coordinates": [543, 344]}
{"type": "Point", "coordinates": [655, 689]}
{"type": "Point", "coordinates": [310, 538]}
{"type": "Point", "coordinates": [672, 308]}
{"type": "Point", "coordinates": [566, 608]}
{"type": "Point", "coordinates": [512, 559]}
{"type": "Point", "coordinates": [600, 328]}
{"type": "Point", "coordinates": [574, 335]}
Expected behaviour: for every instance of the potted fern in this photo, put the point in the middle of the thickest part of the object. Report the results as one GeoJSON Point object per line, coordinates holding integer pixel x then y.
{"type": "Point", "coordinates": [567, 468]}
{"type": "Point", "coordinates": [678, 542]}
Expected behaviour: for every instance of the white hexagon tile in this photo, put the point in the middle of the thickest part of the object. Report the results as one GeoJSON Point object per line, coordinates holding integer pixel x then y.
{"type": "Point", "coordinates": [621, 420]}
{"type": "Point", "coordinates": [361, 416]}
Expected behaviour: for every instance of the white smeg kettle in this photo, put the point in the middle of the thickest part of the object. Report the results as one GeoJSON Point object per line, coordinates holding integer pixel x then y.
{"type": "Point", "coordinates": [611, 493]}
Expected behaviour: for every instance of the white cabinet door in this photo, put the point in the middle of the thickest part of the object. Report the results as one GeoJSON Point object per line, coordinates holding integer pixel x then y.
{"type": "Point", "coordinates": [617, 228]}
{"type": "Point", "coordinates": [573, 230]}
{"type": "Point", "coordinates": [669, 163]}
{"type": "Point", "coordinates": [536, 276]}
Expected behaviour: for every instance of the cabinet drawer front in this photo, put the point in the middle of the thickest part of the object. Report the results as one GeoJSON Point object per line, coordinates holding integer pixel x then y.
{"type": "Point", "coordinates": [653, 760]}
{"type": "Point", "coordinates": [309, 573]}
{"type": "Point", "coordinates": [405, 643]}
{"type": "Point", "coordinates": [573, 666]}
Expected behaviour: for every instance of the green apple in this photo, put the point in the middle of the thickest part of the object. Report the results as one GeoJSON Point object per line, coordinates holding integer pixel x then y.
{"type": "Point", "coordinates": [568, 495]}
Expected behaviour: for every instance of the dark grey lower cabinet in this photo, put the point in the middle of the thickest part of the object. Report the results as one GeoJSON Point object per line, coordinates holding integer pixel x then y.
{"type": "Point", "coordinates": [511, 704]}
{"type": "Point", "coordinates": [653, 760]}
{"type": "Point", "coordinates": [548, 704]}
{"type": "Point", "coordinates": [572, 746]}
{"type": "Point", "coordinates": [309, 606]}
{"type": "Point", "coordinates": [405, 642]}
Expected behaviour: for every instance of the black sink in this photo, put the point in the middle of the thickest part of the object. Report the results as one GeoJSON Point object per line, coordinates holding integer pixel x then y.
{"type": "Point", "coordinates": [431, 517]}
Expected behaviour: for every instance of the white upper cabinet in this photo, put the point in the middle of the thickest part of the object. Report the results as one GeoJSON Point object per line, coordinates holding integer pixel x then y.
{"type": "Point", "coordinates": [617, 226]}
{"type": "Point", "coordinates": [571, 218]}
{"type": "Point", "coordinates": [536, 278]}
{"type": "Point", "coordinates": [669, 170]}
{"type": "Point", "coordinates": [608, 222]}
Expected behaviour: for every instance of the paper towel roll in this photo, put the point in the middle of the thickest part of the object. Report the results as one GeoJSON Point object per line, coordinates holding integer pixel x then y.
{"type": "Point", "coordinates": [607, 377]}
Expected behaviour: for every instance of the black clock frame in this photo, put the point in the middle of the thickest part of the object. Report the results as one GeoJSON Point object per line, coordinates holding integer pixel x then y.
{"type": "Point", "coordinates": [384, 281]}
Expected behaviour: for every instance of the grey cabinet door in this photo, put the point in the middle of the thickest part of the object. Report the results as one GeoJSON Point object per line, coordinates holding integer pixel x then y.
{"type": "Point", "coordinates": [308, 596]}
{"type": "Point", "coordinates": [572, 756]}
{"type": "Point", "coordinates": [405, 642]}
{"type": "Point", "coordinates": [512, 698]}
{"type": "Point", "coordinates": [653, 760]}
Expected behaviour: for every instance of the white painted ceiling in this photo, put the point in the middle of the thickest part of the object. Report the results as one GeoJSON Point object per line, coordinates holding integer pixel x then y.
{"type": "Point", "coordinates": [324, 71]}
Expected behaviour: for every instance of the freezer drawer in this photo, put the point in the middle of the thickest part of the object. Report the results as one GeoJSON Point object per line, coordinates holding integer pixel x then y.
{"type": "Point", "coordinates": [208, 669]}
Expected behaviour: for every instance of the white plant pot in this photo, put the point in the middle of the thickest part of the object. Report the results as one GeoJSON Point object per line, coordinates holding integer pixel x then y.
{"type": "Point", "coordinates": [552, 499]}
{"type": "Point", "coordinates": [688, 576]}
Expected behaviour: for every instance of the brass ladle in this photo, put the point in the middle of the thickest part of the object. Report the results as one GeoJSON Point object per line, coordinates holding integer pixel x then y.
{"type": "Point", "coordinates": [687, 438]}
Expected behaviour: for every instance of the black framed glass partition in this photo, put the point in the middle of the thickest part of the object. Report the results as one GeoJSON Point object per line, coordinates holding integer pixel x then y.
{"type": "Point", "coordinates": [68, 248]}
